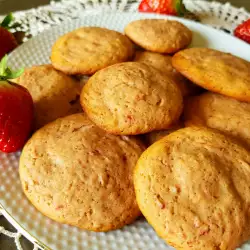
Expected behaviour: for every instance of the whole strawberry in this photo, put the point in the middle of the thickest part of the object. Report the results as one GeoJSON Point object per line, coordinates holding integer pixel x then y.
{"type": "Point", "coordinates": [243, 31]}
{"type": "Point", "coordinates": [16, 111]}
{"type": "Point", "coordinates": [170, 7]}
{"type": "Point", "coordinates": [7, 40]}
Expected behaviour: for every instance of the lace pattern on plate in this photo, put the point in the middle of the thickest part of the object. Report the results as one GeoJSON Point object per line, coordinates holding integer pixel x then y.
{"type": "Point", "coordinates": [33, 21]}
{"type": "Point", "coordinates": [15, 235]}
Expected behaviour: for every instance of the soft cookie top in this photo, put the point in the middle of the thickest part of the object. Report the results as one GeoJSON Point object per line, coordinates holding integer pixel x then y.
{"type": "Point", "coordinates": [76, 173]}
{"type": "Point", "coordinates": [89, 49]}
{"type": "Point", "coordinates": [54, 93]}
{"type": "Point", "coordinates": [131, 98]}
{"type": "Point", "coordinates": [220, 112]}
{"type": "Point", "coordinates": [193, 187]}
{"type": "Point", "coordinates": [216, 71]}
{"type": "Point", "coordinates": [159, 35]}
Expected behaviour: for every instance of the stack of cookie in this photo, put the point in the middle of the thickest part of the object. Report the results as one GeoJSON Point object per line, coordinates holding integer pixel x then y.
{"type": "Point", "coordinates": [92, 170]}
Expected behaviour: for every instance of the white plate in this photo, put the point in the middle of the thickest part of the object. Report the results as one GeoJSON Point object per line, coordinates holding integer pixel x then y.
{"type": "Point", "coordinates": [15, 206]}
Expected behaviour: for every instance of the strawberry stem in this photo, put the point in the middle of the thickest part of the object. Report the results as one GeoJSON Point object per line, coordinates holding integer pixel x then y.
{"type": "Point", "coordinates": [7, 20]}
{"type": "Point", "coordinates": [6, 73]}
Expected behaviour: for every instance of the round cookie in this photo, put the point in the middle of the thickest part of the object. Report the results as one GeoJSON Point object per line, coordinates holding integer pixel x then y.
{"type": "Point", "coordinates": [164, 64]}
{"type": "Point", "coordinates": [131, 98]}
{"type": "Point", "coordinates": [89, 49]}
{"type": "Point", "coordinates": [54, 93]}
{"type": "Point", "coordinates": [216, 71]}
{"type": "Point", "coordinates": [193, 187]}
{"type": "Point", "coordinates": [154, 136]}
{"type": "Point", "coordinates": [159, 35]}
{"type": "Point", "coordinates": [75, 173]}
{"type": "Point", "coordinates": [224, 113]}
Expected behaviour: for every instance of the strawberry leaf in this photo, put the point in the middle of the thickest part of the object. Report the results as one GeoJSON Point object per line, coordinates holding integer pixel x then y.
{"type": "Point", "coordinates": [7, 20]}
{"type": "Point", "coordinates": [13, 74]}
{"type": "Point", "coordinates": [6, 73]}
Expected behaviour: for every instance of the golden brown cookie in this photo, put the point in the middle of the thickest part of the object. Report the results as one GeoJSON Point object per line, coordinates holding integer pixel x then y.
{"type": "Point", "coordinates": [154, 136]}
{"type": "Point", "coordinates": [193, 187]}
{"type": "Point", "coordinates": [216, 71]}
{"type": "Point", "coordinates": [131, 98]}
{"type": "Point", "coordinates": [159, 35]}
{"type": "Point", "coordinates": [54, 93]}
{"type": "Point", "coordinates": [75, 173]}
{"type": "Point", "coordinates": [224, 113]}
{"type": "Point", "coordinates": [164, 64]}
{"type": "Point", "coordinates": [89, 49]}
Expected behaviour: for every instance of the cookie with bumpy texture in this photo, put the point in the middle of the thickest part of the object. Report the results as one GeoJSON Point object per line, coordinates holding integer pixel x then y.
{"type": "Point", "coordinates": [164, 64]}
{"type": "Point", "coordinates": [89, 49]}
{"type": "Point", "coordinates": [159, 35]}
{"type": "Point", "coordinates": [224, 113]}
{"type": "Point", "coordinates": [131, 98]}
{"type": "Point", "coordinates": [216, 71]}
{"type": "Point", "coordinates": [54, 93]}
{"type": "Point", "coordinates": [75, 173]}
{"type": "Point", "coordinates": [193, 187]}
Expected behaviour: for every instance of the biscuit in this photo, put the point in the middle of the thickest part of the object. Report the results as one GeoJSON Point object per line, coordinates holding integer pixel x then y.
{"type": "Point", "coordinates": [224, 113]}
{"type": "Point", "coordinates": [159, 35]}
{"type": "Point", "coordinates": [75, 173]}
{"type": "Point", "coordinates": [89, 49]}
{"type": "Point", "coordinates": [154, 136]}
{"type": "Point", "coordinates": [131, 98]}
{"type": "Point", "coordinates": [193, 187]}
{"type": "Point", "coordinates": [164, 64]}
{"type": "Point", "coordinates": [54, 93]}
{"type": "Point", "coordinates": [215, 71]}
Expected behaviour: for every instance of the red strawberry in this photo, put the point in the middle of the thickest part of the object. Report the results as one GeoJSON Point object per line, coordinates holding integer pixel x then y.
{"type": "Point", "coordinates": [170, 7]}
{"type": "Point", "coordinates": [8, 41]}
{"type": "Point", "coordinates": [243, 31]}
{"type": "Point", "coordinates": [16, 111]}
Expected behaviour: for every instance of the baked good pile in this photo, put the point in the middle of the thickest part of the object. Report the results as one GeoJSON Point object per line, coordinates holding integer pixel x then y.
{"type": "Point", "coordinates": [158, 128]}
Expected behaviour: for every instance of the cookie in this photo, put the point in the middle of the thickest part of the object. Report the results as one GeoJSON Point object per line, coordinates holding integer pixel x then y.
{"type": "Point", "coordinates": [164, 64]}
{"type": "Point", "coordinates": [154, 136]}
{"type": "Point", "coordinates": [193, 187]}
{"type": "Point", "coordinates": [159, 35]}
{"type": "Point", "coordinates": [216, 71]}
{"type": "Point", "coordinates": [89, 49]}
{"type": "Point", "coordinates": [54, 93]}
{"type": "Point", "coordinates": [131, 98]}
{"type": "Point", "coordinates": [224, 113]}
{"type": "Point", "coordinates": [75, 173]}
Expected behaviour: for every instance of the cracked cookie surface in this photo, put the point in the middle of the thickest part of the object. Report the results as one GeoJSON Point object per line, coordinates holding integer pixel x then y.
{"type": "Point", "coordinates": [216, 71]}
{"type": "Point", "coordinates": [131, 98]}
{"type": "Point", "coordinates": [223, 113]}
{"type": "Point", "coordinates": [75, 173]}
{"type": "Point", "coordinates": [193, 187]}
{"type": "Point", "coordinates": [159, 35]}
{"type": "Point", "coordinates": [89, 49]}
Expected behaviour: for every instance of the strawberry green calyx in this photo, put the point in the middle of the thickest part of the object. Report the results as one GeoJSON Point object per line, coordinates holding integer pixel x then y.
{"type": "Point", "coordinates": [182, 11]}
{"type": "Point", "coordinates": [6, 21]}
{"type": "Point", "coordinates": [180, 8]}
{"type": "Point", "coordinates": [6, 73]}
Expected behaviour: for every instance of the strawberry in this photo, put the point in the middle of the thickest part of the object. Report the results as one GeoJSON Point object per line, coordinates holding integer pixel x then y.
{"type": "Point", "coordinates": [169, 7]}
{"type": "Point", "coordinates": [7, 39]}
{"type": "Point", "coordinates": [243, 31]}
{"type": "Point", "coordinates": [16, 111]}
